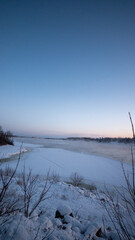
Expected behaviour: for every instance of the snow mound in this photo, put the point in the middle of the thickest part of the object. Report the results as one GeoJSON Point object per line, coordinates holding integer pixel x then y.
{"type": "Point", "coordinates": [48, 224]}
{"type": "Point", "coordinates": [64, 210]}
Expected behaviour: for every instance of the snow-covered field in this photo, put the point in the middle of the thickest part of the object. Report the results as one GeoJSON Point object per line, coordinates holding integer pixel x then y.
{"type": "Point", "coordinates": [81, 210]}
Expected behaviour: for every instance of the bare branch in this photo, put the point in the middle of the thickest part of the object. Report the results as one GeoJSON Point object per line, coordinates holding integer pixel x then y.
{"type": "Point", "coordinates": [132, 125]}
{"type": "Point", "coordinates": [29, 186]}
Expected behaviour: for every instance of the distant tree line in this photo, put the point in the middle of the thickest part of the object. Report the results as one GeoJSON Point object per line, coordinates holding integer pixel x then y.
{"type": "Point", "coordinates": [104, 139]}
{"type": "Point", "coordinates": [5, 137]}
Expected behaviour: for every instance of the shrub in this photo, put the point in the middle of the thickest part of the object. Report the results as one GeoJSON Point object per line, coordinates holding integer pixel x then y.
{"type": "Point", "coordinates": [28, 185]}
{"type": "Point", "coordinates": [76, 179]}
{"type": "Point", "coordinates": [91, 187]}
{"type": "Point", "coordinates": [5, 137]}
{"type": "Point", "coordinates": [54, 177]}
{"type": "Point", "coordinates": [8, 199]}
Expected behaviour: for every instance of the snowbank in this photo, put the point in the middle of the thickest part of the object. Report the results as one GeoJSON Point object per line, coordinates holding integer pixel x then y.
{"type": "Point", "coordinates": [7, 151]}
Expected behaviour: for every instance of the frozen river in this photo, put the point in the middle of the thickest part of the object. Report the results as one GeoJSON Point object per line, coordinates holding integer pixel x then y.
{"type": "Point", "coordinates": [66, 157]}
{"type": "Point", "coordinates": [118, 151]}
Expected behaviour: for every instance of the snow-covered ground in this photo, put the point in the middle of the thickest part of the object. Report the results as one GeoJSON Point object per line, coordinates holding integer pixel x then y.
{"type": "Point", "coordinates": [69, 213]}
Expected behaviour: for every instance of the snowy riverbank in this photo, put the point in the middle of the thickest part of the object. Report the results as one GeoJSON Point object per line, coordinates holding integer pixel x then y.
{"type": "Point", "coordinates": [81, 215]}
{"type": "Point", "coordinates": [7, 151]}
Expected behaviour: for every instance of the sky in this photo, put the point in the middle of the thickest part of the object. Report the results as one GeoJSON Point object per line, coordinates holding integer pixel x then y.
{"type": "Point", "coordinates": [67, 67]}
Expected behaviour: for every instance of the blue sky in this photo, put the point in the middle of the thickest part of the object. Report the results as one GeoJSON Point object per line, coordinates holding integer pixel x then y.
{"type": "Point", "coordinates": [67, 68]}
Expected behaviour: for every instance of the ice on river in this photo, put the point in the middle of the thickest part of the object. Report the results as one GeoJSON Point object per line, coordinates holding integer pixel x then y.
{"type": "Point", "coordinates": [91, 167]}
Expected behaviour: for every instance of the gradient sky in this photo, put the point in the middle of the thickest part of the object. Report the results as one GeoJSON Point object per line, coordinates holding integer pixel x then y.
{"type": "Point", "coordinates": [67, 67]}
